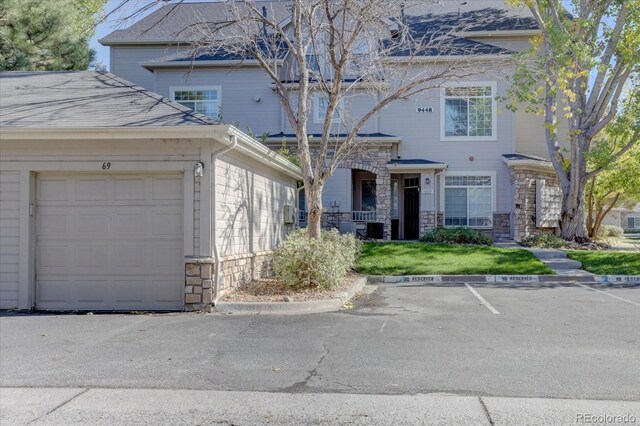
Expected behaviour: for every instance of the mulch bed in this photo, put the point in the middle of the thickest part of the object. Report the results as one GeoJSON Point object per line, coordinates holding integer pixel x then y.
{"type": "Point", "coordinates": [272, 290]}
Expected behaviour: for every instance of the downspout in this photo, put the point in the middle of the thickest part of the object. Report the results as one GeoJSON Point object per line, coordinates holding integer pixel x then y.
{"type": "Point", "coordinates": [214, 227]}
{"type": "Point", "coordinates": [438, 182]}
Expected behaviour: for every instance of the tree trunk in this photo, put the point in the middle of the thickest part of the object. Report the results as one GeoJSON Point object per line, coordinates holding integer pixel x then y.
{"type": "Point", "coordinates": [314, 209]}
{"type": "Point", "coordinates": [572, 224]}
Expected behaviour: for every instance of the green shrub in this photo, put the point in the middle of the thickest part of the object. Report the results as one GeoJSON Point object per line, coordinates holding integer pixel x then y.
{"type": "Point", "coordinates": [544, 241]}
{"type": "Point", "coordinates": [610, 231]}
{"type": "Point", "coordinates": [457, 236]}
{"type": "Point", "coordinates": [303, 262]}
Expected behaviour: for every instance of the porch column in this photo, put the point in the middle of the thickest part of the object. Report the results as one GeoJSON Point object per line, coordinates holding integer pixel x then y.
{"type": "Point", "coordinates": [427, 201]}
{"type": "Point", "coordinates": [383, 200]}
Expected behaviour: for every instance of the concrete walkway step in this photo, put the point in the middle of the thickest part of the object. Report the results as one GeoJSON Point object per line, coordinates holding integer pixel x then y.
{"type": "Point", "coordinates": [560, 263]}
{"type": "Point", "coordinates": [543, 254]}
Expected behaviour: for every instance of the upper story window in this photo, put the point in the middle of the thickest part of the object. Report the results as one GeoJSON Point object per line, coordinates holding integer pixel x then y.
{"type": "Point", "coordinates": [320, 105]}
{"type": "Point", "coordinates": [205, 99]}
{"type": "Point", "coordinates": [469, 112]}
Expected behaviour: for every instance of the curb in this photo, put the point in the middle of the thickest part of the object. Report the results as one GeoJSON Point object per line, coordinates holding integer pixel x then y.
{"type": "Point", "coordinates": [292, 308]}
{"type": "Point", "coordinates": [504, 279]}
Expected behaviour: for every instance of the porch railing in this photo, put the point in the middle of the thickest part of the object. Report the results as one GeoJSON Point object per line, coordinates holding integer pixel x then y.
{"type": "Point", "coordinates": [356, 216]}
{"type": "Point", "coordinates": [363, 216]}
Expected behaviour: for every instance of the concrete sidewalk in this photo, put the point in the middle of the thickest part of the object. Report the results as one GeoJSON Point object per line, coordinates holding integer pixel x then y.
{"type": "Point", "coordinates": [57, 406]}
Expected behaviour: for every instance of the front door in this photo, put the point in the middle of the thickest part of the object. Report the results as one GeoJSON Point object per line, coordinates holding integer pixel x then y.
{"type": "Point", "coordinates": [411, 213]}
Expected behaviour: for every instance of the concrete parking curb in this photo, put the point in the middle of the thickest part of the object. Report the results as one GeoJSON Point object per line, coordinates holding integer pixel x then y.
{"type": "Point", "coordinates": [293, 308]}
{"type": "Point", "coordinates": [503, 279]}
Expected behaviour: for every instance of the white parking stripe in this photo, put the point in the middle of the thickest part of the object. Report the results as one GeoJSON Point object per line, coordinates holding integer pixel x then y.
{"type": "Point", "coordinates": [609, 294]}
{"type": "Point", "coordinates": [481, 299]}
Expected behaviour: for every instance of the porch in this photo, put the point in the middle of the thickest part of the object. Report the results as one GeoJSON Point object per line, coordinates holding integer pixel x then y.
{"type": "Point", "coordinates": [398, 206]}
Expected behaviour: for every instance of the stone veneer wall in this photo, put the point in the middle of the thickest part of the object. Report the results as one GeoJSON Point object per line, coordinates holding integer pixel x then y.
{"type": "Point", "coordinates": [427, 221]}
{"type": "Point", "coordinates": [236, 270]}
{"type": "Point", "coordinates": [524, 186]}
{"type": "Point", "coordinates": [501, 226]}
{"type": "Point", "coordinates": [372, 158]}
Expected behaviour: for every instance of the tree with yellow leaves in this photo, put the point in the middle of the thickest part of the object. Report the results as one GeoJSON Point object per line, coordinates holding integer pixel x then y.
{"type": "Point", "coordinates": [585, 61]}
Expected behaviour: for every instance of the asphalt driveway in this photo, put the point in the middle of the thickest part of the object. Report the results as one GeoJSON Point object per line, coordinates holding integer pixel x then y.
{"type": "Point", "coordinates": [554, 341]}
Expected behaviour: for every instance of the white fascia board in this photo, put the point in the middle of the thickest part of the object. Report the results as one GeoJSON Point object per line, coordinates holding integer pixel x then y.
{"type": "Point", "coordinates": [197, 64]}
{"type": "Point", "coordinates": [135, 41]}
{"type": "Point", "coordinates": [498, 33]}
{"type": "Point", "coordinates": [416, 167]}
{"type": "Point", "coordinates": [356, 85]}
{"type": "Point", "coordinates": [445, 58]}
{"type": "Point", "coordinates": [370, 141]}
{"type": "Point", "coordinates": [529, 164]}
{"type": "Point", "coordinates": [216, 132]}
{"type": "Point", "coordinates": [194, 131]}
{"type": "Point", "coordinates": [258, 151]}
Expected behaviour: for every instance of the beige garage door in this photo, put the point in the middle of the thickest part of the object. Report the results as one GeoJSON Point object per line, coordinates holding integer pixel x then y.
{"type": "Point", "coordinates": [109, 242]}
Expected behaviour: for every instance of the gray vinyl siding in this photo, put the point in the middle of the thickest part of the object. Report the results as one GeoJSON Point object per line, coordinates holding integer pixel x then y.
{"type": "Point", "coordinates": [421, 139]}
{"type": "Point", "coordinates": [240, 88]}
{"type": "Point", "coordinates": [249, 209]}
{"type": "Point", "coordinates": [9, 238]}
{"type": "Point", "coordinates": [125, 63]}
{"type": "Point", "coordinates": [337, 191]}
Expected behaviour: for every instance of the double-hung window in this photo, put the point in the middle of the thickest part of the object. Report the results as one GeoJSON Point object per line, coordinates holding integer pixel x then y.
{"type": "Point", "coordinates": [205, 99]}
{"type": "Point", "coordinates": [468, 201]}
{"type": "Point", "coordinates": [633, 222]}
{"type": "Point", "coordinates": [320, 106]}
{"type": "Point", "coordinates": [469, 112]}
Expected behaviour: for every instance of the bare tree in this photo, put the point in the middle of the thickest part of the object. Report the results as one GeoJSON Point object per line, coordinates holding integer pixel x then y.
{"type": "Point", "coordinates": [340, 49]}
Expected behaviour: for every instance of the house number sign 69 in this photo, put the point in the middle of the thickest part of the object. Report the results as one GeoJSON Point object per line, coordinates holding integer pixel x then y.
{"type": "Point", "coordinates": [106, 165]}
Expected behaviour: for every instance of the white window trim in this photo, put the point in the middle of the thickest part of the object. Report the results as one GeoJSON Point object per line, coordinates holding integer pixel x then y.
{"type": "Point", "coordinates": [493, 196]}
{"type": "Point", "coordinates": [494, 112]}
{"type": "Point", "coordinates": [337, 119]}
{"type": "Point", "coordinates": [636, 220]}
{"type": "Point", "coordinates": [218, 89]}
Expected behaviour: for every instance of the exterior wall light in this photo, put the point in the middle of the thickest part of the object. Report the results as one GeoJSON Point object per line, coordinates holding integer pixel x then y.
{"type": "Point", "coordinates": [427, 181]}
{"type": "Point", "coordinates": [198, 169]}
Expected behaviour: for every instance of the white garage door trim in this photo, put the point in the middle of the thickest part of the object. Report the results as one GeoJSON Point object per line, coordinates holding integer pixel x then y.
{"type": "Point", "coordinates": [9, 238]}
{"type": "Point", "coordinates": [109, 241]}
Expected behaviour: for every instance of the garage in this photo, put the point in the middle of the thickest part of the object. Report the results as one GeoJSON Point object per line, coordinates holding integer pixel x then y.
{"type": "Point", "coordinates": [113, 198]}
{"type": "Point", "coordinates": [109, 242]}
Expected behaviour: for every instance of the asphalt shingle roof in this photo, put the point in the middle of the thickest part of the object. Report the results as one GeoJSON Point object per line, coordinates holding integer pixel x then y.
{"type": "Point", "coordinates": [85, 99]}
{"type": "Point", "coordinates": [175, 22]}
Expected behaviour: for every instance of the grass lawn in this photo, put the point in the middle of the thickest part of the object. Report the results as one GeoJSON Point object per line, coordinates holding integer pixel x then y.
{"type": "Point", "coordinates": [608, 262]}
{"type": "Point", "coordinates": [446, 259]}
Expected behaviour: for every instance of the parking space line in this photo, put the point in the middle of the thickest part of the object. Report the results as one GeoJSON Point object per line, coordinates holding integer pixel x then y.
{"type": "Point", "coordinates": [609, 294]}
{"type": "Point", "coordinates": [482, 300]}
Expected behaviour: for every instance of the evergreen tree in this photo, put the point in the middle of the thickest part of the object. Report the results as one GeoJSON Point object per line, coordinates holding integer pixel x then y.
{"type": "Point", "coordinates": [47, 35]}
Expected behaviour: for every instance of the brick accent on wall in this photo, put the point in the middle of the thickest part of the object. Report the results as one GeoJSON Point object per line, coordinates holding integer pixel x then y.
{"type": "Point", "coordinates": [199, 288]}
{"type": "Point", "coordinates": [524, 186]}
